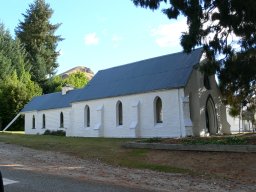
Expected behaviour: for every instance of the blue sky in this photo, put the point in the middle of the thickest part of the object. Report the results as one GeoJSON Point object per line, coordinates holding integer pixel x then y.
{"type": "Point", "coordinates": [103, 34]}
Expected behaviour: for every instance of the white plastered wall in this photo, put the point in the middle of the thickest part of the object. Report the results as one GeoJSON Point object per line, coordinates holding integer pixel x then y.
{"type": "Point", "coordinates": [52, 120]}
{"type": "Point", "coordinates": [138, 116]}
{"type": "Point", "coordinates": [238, 125]}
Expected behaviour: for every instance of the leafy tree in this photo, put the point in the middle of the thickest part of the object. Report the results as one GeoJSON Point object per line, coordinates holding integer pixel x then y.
{"type": "Point", "coordinates": [77, 80]}
{"type": "Point", "coordinates": [37, 35]}
{"type": "Point", "coordinates": [12, 54]}
{"type": "Point", "coordinates": [54, 84]}
{"type": "Point", "coordinates": [226, 29]}
{"type": "Point", "coordinates": [15, 92]}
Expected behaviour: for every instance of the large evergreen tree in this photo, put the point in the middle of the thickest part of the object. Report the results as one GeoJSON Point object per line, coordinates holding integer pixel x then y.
{"type": "Point", "coordinates": [226, 29]}
{"type": "Point", "coordinates": [12, 54]}
{"type": "Point", "coordinates": [37, 34]}
{"type": "Point", "coordinates": [16, 87]}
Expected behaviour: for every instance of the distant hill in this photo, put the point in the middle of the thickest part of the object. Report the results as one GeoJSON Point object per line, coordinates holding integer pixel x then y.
{"type": "Point", "coordinates": [88, 72]}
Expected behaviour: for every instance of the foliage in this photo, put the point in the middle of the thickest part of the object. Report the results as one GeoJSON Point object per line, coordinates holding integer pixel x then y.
{"type": "Point", "coordinates": [220, 140]}
{"type": "Point", "coordinates": [77, 80]}
{"type": "Point", "coordinates": [15, 92]}
{"type": "Point", "coordinates": [54, 84]}
{"type": "Point", "coordinates": [55, 133]}
{"type": "Point", "coordinates": [37, 35]}
{"type": "Point", "coordinates": [12, 54]}
{"type": "Point", "coordinates": [16, 88]}
{"type": "Point", "coordinates": [152, 140]}
{"type": "Point", "coordinates": [215, 140]}
{"type": "Point", "coordinates": [227, 32]}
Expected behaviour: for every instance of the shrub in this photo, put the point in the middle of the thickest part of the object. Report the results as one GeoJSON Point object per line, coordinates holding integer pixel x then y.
{"type": "Point", "coordinates": [152, 140]}
{"type": "Point", "coordinates": [56, 133]}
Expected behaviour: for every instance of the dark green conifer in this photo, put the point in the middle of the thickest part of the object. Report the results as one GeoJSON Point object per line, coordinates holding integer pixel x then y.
{"type": "Point", "coordinates": [37, 34]}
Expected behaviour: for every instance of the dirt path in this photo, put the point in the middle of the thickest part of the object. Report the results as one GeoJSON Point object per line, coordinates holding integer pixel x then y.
{"type": "Point", "coordinates": [60, 164]}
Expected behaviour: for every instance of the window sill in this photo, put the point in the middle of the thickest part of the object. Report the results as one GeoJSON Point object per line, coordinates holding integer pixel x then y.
{"type": "Point", "coordinates": [97, 127]}
{"type": "Point", "coordinates": [134, 125]}
{"type": "Point", "coordinates": [158, 125]}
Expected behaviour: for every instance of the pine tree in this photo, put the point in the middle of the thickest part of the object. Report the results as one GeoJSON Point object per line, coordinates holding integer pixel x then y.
{"type": "Point", "coordinates": [12, 54]}
{"type": "Point", "coordinates": [213, 24]}
{"type": "Point", "coordinates": [37, 34]}
{"type": "Point", "coordinates": [16, 87]}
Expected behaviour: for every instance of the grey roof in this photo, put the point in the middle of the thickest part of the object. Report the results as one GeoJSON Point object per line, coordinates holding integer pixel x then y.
{"type": "Point", "coordinates": [164, 72]}
{"type": "Point", "coordinates": [50, 101]}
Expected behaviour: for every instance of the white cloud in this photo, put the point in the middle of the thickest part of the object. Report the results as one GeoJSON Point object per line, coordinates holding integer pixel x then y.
{"type": "Point", "coordinates": [168, 35]}
{"type": "Point", "coordinates": [91, 39]}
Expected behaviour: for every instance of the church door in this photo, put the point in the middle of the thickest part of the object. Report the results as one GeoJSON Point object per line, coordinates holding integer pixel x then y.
{"type": "Point", "coordinates": [210, 116]}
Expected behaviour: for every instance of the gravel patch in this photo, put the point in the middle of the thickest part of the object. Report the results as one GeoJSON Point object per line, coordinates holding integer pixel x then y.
{"type": "Point", "coordinates": [61, 164]}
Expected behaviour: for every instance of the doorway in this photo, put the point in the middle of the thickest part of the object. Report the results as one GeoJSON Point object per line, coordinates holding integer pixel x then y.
{"type": "Point", "coordinates": [210, 116]}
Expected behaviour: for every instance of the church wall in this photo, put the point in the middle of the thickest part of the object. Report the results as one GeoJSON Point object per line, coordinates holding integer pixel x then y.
{"type": "Point", "coordinates": [236, 122]}
{"type": "Point", "coordinates": [138, 116]}
{"type": "Point", "coordinates": [198, 95]}
{"type": "Point", "coordinates": [52, 120]}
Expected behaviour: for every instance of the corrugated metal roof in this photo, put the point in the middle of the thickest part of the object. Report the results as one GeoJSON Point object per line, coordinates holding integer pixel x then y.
{"type": "Point", "coordinates": [164, 72]}
{"type": "Point", "coordinates": [51, 101]}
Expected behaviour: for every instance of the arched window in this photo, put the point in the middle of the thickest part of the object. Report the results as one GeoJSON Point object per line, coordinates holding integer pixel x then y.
{"type": "Point", "coordinates": [119, 113]}
{"type": "Point", "coordinates": [87, 116]}
{"type": "Point", "coordinates": [33, 122]}
{"type": "Point", "coordinates": [43, 120]}
{"type": "Point", "coordinates": [158, 110]}
{"type": "Point", "coordinates": [61, 120]}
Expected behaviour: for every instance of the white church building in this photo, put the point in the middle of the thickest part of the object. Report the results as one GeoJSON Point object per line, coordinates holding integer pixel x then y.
{"type": "Point", "coordinates": [166, 96]}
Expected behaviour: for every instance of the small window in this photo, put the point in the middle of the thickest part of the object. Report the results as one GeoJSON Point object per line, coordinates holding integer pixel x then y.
{"type": "Point", "coordinates": [43, 120]}
{"type": "Point", "coordinates": [61, 120]}
{"type": "Point", "coordinates": [207, 84]}
{"type": "Point", "coordinates": [119, 113]}
{"type": "Point", "coordinates": [87, 116]}
{"type": "Point", "coordinates": [158, 110]}
{"type": "Point", "coordinates": [33, 122]}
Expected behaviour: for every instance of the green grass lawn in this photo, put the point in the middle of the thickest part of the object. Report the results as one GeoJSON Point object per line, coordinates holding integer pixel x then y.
{"type": "Point", "coordinates": [107, 150]}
